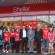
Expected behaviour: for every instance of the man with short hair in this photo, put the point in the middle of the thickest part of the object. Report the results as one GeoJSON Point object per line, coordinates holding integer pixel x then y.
{"type": "Point", "coordinates": [30, 35]}
{"type": "Point", "coordinates": [23, 37]}
{"type": "Point", "coordinates": [38, 37]}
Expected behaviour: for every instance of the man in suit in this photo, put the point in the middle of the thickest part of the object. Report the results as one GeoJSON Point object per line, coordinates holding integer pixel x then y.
{"type": "Point", "coordinates": [30, 35]}
{"type": "Point", "coordinates": [38, 36]}
{"type": "Point", "coordinates": [23, 37]}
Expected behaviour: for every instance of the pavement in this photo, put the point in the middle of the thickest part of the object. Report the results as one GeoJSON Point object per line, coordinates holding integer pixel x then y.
{"type": "Point", "coordinates": [10, 53]}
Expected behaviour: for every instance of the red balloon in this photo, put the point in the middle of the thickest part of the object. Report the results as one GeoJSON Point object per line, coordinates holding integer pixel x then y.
{"type": "Point", "coordinates": [34, 27]}
{"type": "Point", "coordinates": [34, 23]}
{"type": "Point", "coordinates": [30, 23]}
{"type": "Point", "coordinates": [25, 23]}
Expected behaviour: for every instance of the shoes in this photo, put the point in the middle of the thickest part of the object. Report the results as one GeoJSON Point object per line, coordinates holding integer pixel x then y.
{"type": "Point", "coordinates": [31, 52]}
{"type": "Point", "coordinates": [6, 51]}
{"type": "Point", "coordinates": [51, 52]}
{"type": "Point", "coordinates": [45, 53]}
{"type": "Point", "coordinates": [48, 52]}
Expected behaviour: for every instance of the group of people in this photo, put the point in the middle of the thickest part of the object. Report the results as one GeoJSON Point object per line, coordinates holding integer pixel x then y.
{"type": "Point", "coordinates": [42, 35]}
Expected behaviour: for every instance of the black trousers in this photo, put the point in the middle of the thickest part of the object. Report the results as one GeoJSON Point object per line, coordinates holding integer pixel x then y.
{"type": "Point", "coordinates": [38, 45]}
{"type": "Point", "coordinates": [13, 46]}
{"type": "Point", "coordinates": [6, 45]}
{"type": "Point", "coordinates": [17, 45]}
{"type": "Point", "coordinates": [24, 44]}
{"type": "Point", "coordinates": [12, 41]}
{"type": "Point", "coordinates": [1, 47]}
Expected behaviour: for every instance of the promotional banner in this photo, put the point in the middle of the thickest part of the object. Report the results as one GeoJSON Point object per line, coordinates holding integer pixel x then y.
{"type": "Point", "coordinates": [28, 9]}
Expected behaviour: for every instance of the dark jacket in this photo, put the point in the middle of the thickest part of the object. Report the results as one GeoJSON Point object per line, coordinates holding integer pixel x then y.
{"type": "Point", "coordinates": [38, 34]}
{"type": "Point", "coordinates": [21, 33]}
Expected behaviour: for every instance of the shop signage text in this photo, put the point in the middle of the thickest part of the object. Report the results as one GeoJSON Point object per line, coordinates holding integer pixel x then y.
{"type": "Point", "coordinates": [17, 9]}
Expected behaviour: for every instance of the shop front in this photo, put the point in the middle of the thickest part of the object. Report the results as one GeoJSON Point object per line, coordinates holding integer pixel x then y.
{"type": "Point", "coordinates": [27, 15]}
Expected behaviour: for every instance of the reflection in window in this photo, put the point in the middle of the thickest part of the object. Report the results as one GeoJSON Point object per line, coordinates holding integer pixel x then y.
{"type": "Point", "coordinates": [29, 18]}
{"type": "Point", "coordinates": [52, 19]}
{"type": "Point", "coordinates": [43, 18]}
{"type": "Point", "coordinates": [10, 19]}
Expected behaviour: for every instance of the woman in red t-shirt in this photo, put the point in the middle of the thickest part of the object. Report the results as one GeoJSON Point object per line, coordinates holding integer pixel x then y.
{"type": "Point", "coordinates": [12, 39]}
{"type": "Point", "coordinates": [17, 40]}
{"type": "Point", "coordinates": [51, 39]}
{"type": "Point", "coordinates": [45, 38]}
{"type": "Point", "coordinates": [6, 41]}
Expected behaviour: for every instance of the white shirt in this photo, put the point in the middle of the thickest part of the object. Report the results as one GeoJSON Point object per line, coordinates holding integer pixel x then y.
{"type": "Point", "coordinates": [24, 33]}
{"type": "Point", "coordinates": [38, 30]}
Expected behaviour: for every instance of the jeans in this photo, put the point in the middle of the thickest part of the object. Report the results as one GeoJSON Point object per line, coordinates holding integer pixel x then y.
{"type": "Point", "coordinates": [6, 46]}
{"type": "Point", "coordinates": [46, 45]}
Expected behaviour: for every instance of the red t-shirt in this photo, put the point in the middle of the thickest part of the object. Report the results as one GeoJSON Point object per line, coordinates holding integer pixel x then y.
{"type": "Point", "coordinates": [12, 34]}
{"type": "Point", "coordinates": [6, 37]}
{"type": "Point", "coordinates": [51, 36]}
{"type": "Point", "coordinates": [17, 37]}
{"type": "Point", "coordinates": [45, 33]}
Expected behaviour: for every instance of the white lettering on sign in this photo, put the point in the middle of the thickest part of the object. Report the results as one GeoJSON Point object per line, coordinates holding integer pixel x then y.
{"type": "Point", "coordinates": [16, 9]}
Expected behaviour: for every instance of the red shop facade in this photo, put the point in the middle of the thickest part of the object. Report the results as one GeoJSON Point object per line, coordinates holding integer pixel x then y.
{"type": "Point", "coordinates": [39, 9]}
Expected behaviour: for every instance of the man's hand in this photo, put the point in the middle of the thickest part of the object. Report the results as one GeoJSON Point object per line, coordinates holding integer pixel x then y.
{"type": "Point", "coordinates": [41, 39]}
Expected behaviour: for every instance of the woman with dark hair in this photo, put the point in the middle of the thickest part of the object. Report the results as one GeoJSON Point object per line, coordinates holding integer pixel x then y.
{"type": "Point", "coordinates": [45, 39]}
{"type": "Point", "coordinates": [6, 41]}
{"type": "Point", "coordinates": [17, 40]}
{"type": "Point", "coordinates": [12, 39]}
